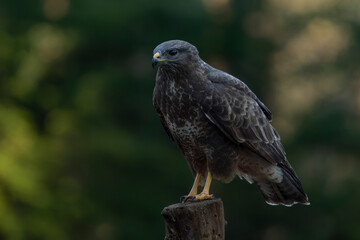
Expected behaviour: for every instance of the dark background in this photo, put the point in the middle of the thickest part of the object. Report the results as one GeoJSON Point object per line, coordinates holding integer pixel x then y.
{"type": "Point", "coordinates": [83, 154]}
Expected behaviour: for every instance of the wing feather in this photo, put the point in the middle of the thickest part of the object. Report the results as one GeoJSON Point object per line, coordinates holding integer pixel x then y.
{"type": "Point", "coordinates": [242, 117]}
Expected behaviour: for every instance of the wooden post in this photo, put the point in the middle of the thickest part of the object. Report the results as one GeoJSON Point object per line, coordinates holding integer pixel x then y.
{"type": "Point", "coordinates": [194, 221]}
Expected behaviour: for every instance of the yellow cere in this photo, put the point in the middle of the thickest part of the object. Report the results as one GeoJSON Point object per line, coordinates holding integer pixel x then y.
{"type": "Point", "coordinates": [157, 55]}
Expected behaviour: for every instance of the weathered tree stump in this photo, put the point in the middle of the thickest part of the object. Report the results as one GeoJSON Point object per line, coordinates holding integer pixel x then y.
{"type": "Point", "coordinates": [194, 221]}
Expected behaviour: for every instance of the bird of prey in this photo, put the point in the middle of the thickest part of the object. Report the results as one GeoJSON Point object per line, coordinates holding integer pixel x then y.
{"type": "Point", "coordinates": [220, 126]}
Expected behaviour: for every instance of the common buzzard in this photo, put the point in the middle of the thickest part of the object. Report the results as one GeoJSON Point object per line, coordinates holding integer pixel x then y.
{"type": "Point", "coordinates": [220, 126]}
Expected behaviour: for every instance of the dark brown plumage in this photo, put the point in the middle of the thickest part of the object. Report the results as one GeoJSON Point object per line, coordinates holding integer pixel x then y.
{"type": "Point", "coordinates": [220, 126]}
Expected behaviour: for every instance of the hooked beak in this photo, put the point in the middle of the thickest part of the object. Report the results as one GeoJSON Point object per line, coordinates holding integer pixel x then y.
{"type": "Point", "coordinates": [155, 59]}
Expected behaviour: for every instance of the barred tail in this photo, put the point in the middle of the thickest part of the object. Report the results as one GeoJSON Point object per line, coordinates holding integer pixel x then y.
{"type": "Point", "coordinates": [288, 192]}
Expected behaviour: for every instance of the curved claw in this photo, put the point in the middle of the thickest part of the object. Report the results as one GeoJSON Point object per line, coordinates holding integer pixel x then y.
{"type": "Point", "coordinates": [182, 198]}
{"type": "Point", "coordinates": [189, 198]}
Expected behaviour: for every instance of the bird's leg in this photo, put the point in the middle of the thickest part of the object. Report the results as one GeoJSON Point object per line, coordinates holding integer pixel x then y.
{"type": "Point", "coordinates": [204, 195]}
{"type": "Point", "coordinates": [193, 190]}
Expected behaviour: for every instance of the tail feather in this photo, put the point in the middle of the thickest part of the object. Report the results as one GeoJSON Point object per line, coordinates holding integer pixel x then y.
{"type": "Point", "coordinates": [288, 192]}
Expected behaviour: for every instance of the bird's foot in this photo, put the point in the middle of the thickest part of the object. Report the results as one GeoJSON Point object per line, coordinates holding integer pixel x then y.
{"type": "Point", "coordinates": [195, 198]}
{"type": "Point", "coordinates": [186, 198]}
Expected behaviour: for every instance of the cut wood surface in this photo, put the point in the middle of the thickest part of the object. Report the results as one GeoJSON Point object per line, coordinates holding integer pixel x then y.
{"type": "Point", "coordinates": [195, 220]}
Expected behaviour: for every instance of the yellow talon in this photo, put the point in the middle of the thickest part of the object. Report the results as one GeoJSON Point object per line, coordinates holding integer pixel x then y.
{"type": "Point", "coordinates": [204, 195]}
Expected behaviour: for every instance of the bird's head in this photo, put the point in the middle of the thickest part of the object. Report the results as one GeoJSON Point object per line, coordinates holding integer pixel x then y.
{"type": "Point", "coordinates": [174, 53]}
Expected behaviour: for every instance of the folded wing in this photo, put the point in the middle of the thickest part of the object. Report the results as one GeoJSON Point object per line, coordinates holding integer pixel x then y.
{"type": "Point", "coordinates": [242, 117]}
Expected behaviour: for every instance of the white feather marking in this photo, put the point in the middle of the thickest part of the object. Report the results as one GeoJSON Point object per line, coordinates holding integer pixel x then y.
{"type": "Point", "coordinates": [172, 88]}
{"type": "Point", "coordinates": [246, 177]}
{"type": "Point", "coordinates": [273, 173]}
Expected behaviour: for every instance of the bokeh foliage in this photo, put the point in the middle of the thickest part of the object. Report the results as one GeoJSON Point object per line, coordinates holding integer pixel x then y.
{"type": "Point", "coordinates": [83, 154]}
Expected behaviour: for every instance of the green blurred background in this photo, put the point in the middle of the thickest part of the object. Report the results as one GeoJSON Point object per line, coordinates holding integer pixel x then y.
{"type": "Point", "coordinates": [83, 154]}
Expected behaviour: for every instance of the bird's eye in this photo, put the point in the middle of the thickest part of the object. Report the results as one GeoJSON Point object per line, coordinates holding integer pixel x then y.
{"type": "Point", "coordinates": [172, 52]}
